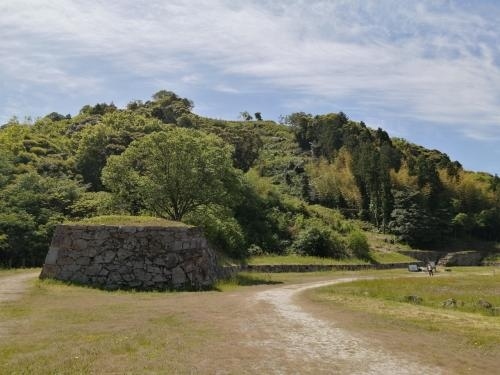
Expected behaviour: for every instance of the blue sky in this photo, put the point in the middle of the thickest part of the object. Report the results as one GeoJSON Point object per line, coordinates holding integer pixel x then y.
{"type": "Point", "coordinates": [428, 71]}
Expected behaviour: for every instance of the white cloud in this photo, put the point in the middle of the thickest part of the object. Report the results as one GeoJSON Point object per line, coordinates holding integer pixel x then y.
{"type": "Point", "coordinates": [225, 88]}
{"type": "Point", "coordinates": [424, 60]}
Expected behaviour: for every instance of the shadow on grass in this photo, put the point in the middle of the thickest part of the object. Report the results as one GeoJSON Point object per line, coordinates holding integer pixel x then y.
{"type": "Point", "coordinates": [244, 280]}
{"type": "Point", "coordinates": [370, 259]}
{"type": "Point", "coordinates": [232, 282]}
{"type": "Point", "coordinates": [123, 289]}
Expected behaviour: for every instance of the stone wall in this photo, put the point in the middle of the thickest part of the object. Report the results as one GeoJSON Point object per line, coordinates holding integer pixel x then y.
{"type": "Point", "coordinates": [125, 257]}
{"type": "Point", "coordinates": [461, 258]}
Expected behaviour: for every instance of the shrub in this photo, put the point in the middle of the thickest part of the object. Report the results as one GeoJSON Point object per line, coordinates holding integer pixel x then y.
{"type": "Point", "coordinates": [255, 250]}
{"type": "Point", "coordinates": [319, 241]}
{"type": "Point", "coordinates": [221, 230]}
{"type": "Point", "coordinates": [358, 244]}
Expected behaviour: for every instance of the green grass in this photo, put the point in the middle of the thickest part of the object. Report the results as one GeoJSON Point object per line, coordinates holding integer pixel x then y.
{"type": "Point", "coordinates": [386, 299]}
{"type": "Point", "coordinates": [245, 279]}
{"type": "Point", "coordinates": [301, 259]}
{"type": "Point", "coordinates": [61, 329]}
{"type": "Point", "coordinates": [390, 257]}
{"type": "Point", "coordinates": [129, 220]}
{"type": "Point", "coordinates": [379, 257]}
{"type": "Point", "coordinates": [433, 291]}
{"type": "Point", "coordinates": [381, 242]}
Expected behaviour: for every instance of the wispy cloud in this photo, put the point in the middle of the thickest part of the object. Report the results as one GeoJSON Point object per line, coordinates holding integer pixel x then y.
{"type": "Point", "coordinates": [428, 60]}
{"type": "Point", "coordinates": [225, 88]}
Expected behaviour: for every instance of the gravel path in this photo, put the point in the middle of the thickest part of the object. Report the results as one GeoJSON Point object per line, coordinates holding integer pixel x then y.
{"type": "Point", "coordinates": [297, 342]}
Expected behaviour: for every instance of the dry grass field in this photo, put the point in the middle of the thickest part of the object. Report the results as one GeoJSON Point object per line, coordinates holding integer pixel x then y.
{"type": "Point", "coordinates": [249, 325]}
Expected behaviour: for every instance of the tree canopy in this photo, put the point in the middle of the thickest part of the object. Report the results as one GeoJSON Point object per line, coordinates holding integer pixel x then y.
{"type": "Point", "coordinates": [172, 173]}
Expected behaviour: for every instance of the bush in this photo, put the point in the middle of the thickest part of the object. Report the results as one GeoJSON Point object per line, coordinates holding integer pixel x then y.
{"type": "Point", "coordinates": [255, 250]}
{"type": "Point", "coordinates": [319, 241]}
{"type": "Point", "coordinates": [358, 244]}
{"type": "Point", "coordinates": [221, 230]}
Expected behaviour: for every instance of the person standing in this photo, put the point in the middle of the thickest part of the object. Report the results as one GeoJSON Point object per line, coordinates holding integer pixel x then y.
{"type": "Point", "coordinates": [429, 269]}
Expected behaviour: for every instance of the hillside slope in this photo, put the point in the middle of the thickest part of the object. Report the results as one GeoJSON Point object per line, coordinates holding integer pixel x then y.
{"type": "Point", "coordinates": [306, 186]}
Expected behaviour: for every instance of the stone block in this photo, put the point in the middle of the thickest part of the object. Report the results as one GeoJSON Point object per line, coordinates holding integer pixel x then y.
{"type": "Point", "coordinates": [139, 274]}
{"type": "Point", "coordinates": [135, 284]}
{"type": "Point", "coordinates": [138, 264]}
{"type": "Point", "coordinates": [129, 230]}
{"type": "Point", "coordinates": [178, 276]}
{"type": "Point", "coordinates": [127, 277]}
{"type": "Point", "coordinates": [80, 278]}
{"type": "Point", "coordinates": [80, 244]}
{"type": "Point", "coordinates": [52, 255]}
{"type": "Point", "coordinates": [101, 235]}
{"type": "Point", "coordinates": [171, 260]}
{"type": "Point", "coordinates": [103, 272]}
{"type": "Point", "coordinates": [83, 261]}
{"type": "Point", "coordinates": [109, 256]}
{"type": "Point", "coordinates": [158, 279]}
{"type": "Point", "coordinates": [93, 270]}
{"type": "Point", "coordinates": [124, 254]}
{"type": "Point", "coordinates": [124, 270]}
{"type": "Point", "coordinates": [114, 278]}
{"type": "Point", "coordinates": [154, 270]}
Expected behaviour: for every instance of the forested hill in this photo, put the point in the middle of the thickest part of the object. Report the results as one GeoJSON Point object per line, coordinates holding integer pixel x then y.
{"type": "Point", "coordinates": [255, 186]}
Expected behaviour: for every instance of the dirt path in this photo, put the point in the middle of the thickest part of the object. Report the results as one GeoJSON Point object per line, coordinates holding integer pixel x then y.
{"type": "Point", "coordinates": [12, 287]}
{"type": "Point", "coordinates": [294, 341]}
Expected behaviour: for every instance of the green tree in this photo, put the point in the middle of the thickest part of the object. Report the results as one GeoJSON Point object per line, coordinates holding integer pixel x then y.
{"type": "Point", "coordinates": [245, 141]}
{"type": "Point", "coordinates": [413, 223]}
{"type": "Point", "coordinates": [462, 223]}
{"type": "Point", "coordinates": [110, 136]}
{"type": "Point", "coordinates": [300, 124]}
{"type": "Point", "coordinates": [168, 106]}
{"type": "Point", "coordinates": [172, 173]}
{"type": "Point", "coordinates": [6, 167]}
{"type": "Point", "coordinates": [30, 207]}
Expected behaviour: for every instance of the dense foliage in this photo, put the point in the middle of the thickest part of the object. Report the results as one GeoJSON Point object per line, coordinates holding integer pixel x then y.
{"type": "Point", "coordinates": [420, 195]}
{"type": "Point", "coordinates": [255, 186]}
{"type": "Point", "coordinates": [172, 173]}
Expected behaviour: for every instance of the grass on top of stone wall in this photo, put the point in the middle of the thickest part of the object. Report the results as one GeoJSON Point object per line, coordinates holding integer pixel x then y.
{"type": "Point", "coordinates": [129, 220]}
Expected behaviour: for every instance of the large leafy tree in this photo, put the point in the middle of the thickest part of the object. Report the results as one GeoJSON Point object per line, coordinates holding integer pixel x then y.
{"type": "Point", "coordinates": [172, 173]}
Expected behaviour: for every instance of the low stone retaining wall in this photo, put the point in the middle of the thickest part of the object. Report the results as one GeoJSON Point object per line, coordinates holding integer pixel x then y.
{"type": "Point", "coordinates": [268, 268]}
{"type": "Point", "coordinates": [461, 258]}
{"type": "Point", "coordinates": [491, 264]}
{"type": "Point", "coordinates": [445, 259]}
{"type": "Point", "coordinates": [125, 257]}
